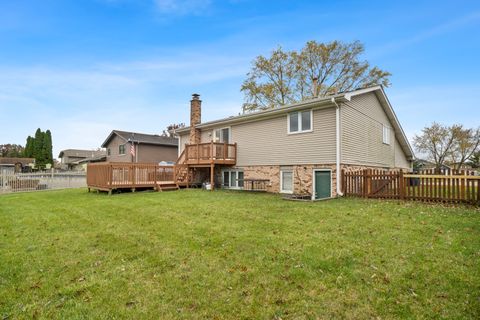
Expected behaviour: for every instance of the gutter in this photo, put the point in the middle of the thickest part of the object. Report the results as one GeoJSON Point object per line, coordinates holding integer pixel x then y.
{"type": "Point", "coordinates": [337, 146]}
{"type": "Point", "coordinates": [317, 103]}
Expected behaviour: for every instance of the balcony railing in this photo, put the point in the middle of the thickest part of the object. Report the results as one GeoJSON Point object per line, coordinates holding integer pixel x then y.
{"type": "Point", "coordinates": [109, 176]}
{"type": "Point", "coordinates": [210, 153]}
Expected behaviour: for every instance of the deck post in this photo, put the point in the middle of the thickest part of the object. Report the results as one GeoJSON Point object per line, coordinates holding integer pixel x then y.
{"type": "Point", "coordinates": [198, 154]}
{"type": "Point", "coordinates": [212, 168]}
{"type": "Point", "coordinates": [211, 151]}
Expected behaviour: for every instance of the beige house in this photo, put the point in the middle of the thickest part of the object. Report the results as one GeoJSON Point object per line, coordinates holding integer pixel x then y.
{"type": "Point", "coordinates": [124, 146]}
{"type": "Point", "coordinates": [75, 159]}
{"type": "Point", "coordinates": [298, 148]}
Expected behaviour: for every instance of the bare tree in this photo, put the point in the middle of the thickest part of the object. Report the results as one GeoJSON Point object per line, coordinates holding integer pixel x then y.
{"type": "Point", "coordinates": [436, 142]}
{"type": "Point", "coordinates": [474, 160]}
{"type": "Point", "coordinates": [288, 76]}
{"type": "Point", "coordinates": [170, 130]}
{"type": "Point", "coordinates": [466, 143]}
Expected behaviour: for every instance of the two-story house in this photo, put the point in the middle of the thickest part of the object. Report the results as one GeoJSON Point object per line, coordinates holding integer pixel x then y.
{"type": "Point", "coordinates": [125, 146]}
{"type": "Point", "coordinates": [299, 148]}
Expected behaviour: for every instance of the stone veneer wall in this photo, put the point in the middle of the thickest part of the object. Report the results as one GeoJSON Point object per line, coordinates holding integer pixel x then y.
{"type": "Point", "coordinates": [303, 175]}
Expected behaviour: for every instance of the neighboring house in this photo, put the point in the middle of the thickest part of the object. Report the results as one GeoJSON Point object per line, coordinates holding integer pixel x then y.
{"type": "Point", "coordinates": [14, 165]}
{"type": "Point", "coordinates": [421, 164]}
{"type": "Point", "coordinates": [301, 147]}
{"type": "Point", "coordinates": [147, 148]}
{"type": "Point", "coordinates": [70, 158]}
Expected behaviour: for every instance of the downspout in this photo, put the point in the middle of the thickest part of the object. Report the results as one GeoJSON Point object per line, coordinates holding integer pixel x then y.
{"type": "Point", "coordinates": [337, 146]}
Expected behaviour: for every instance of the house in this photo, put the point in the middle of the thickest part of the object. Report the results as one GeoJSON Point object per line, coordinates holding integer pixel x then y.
{"type": "Point", "coordinates": [147, 148]}
{"type": "Point", "coordinates": [15, 165]}
{"type": "Point", "coordinates": [422, 164]}
{"type": "Point", "coordinates": [70, 158]}
{"type": "Point", "coordinates": [299, 148]}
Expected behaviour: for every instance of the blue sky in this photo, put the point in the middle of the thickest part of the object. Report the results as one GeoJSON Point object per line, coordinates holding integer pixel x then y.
{"type": "Point", "coordinates": [83, 68]}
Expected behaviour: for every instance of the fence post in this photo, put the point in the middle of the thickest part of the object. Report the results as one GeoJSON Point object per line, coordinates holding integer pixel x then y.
{"type": "Point", "coordinates": [401, 185]}
{"type": "Point", "coordinates": [365, 191]}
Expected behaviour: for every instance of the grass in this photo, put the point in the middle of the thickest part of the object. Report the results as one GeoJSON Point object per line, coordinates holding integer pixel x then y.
{"type": "Point", "coordinates": [229, 255]}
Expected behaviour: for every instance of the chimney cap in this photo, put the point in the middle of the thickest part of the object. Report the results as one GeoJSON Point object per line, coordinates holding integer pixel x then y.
{"type": "Point", "coordinates": [195, 96]}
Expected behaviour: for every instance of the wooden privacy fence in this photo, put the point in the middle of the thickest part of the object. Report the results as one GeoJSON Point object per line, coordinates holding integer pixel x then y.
{"type": "Point", "coordinates": [405, 186]}
{"type": "Point", "coordinates": [109, 176]}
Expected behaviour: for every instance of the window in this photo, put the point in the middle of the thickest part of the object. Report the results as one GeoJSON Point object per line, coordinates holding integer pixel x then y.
{"type": "Point", "coordinates": [233, 179]}
{"type": "Point", "coordinates": [386, 134]}
{"type": "Point", "coordinates": [222, 135]}
{"type": "Point", "coordinates": [121, 149]}
{"type": "Point", "coordinates": [108, 152]}
{"type": "Point", "coordinates": [286, 181]}
{"type": "Point", "coordinates": [300, 121]}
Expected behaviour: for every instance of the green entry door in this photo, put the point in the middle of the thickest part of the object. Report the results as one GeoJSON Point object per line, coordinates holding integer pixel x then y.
{"type": "Point", "coordinates": [323, 184]}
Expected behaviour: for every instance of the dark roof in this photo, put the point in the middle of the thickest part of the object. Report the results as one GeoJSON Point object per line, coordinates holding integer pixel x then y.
{"type": "Point", "coordinates": [78, 153]}
{"type": "Point", "coordinates": [12, 161]}
{"type": "Point", "coordinates": [142, 138]}
{"type": "Point", "coordinates": [100, 158]}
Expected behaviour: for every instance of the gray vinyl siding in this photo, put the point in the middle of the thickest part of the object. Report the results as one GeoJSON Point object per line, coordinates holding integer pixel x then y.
{"type": "Point", "coordinates": [267, 142]}
{"type": "Point", "coordinates": [182, 140]}
{"type": "Point", "coordinates": [362, 121]}
{"type": "Point", "coordinates": [401, 160]}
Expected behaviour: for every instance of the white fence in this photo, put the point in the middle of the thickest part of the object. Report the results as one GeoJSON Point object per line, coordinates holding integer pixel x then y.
{"type": "Point", "coordinates": [15, 182]}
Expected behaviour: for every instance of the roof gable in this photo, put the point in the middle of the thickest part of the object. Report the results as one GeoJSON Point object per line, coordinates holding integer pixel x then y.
{"type": "Point", "coordinates": [327, 101]}
{"type": "Point", "coordinates": [142, 138]}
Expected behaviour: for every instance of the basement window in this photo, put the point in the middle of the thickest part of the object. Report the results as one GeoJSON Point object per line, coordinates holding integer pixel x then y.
{"type": "Point", "coordinates": [300, 121]}
{"type": "Point", "coordinates": [232, 179]}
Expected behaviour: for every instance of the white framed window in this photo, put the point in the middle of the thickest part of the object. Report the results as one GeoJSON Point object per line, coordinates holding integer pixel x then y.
{"type": "Point", "coordinates": [121, 149]}
{"type": "Point", "coordinates": [221, 135]}
{"type": "Point", "coordinates": [300, 121]}
{"type": "Point", "coordinates": [286, 181]}
{"type": "Point", "coordinates": [232, 179]}
{"type": "Point", "coordinates": [386, 134]}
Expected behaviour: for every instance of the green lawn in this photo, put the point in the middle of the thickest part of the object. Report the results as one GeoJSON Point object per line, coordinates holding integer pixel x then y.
{"type": "Point", "coordinates": [230, 255]}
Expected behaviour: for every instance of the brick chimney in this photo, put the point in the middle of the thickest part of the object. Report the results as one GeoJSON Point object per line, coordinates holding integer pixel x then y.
{"type": "Point", "coordinates": [195, 118]}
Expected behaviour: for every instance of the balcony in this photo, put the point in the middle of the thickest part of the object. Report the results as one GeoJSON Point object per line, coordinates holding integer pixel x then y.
{"type": "Point", "coordinates": [211, 153]}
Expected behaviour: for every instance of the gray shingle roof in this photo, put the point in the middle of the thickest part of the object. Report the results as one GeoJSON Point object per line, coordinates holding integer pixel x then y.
{"type": "Point", "coordinates": [81, 153]}
{"type": "Point", "coordinates": [142, 138]}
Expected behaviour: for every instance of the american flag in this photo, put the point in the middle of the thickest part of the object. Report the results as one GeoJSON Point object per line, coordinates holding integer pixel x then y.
{"type": "Point", "coordinates": [132, 150]}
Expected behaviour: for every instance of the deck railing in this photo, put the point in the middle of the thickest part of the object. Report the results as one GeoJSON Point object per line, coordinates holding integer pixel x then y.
{"type": "Point", "coordinates": [210, 153]}
{"type": "Point", "coordinates": [109, 176]}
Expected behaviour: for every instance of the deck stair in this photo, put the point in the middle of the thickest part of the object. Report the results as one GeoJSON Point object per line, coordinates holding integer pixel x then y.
{"type": "Point", "coordinates": [167, 186]}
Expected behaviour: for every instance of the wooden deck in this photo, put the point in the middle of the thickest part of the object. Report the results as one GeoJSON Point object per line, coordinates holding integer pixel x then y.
{"type": "Point", "coordinates": [108, 176]}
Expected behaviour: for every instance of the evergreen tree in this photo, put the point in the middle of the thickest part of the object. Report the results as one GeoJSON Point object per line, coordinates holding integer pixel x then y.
{"type": "Point", "coordinates": [28, 153]}
{"type": "Point", "coordinates": [38, 149]}
{"type": "Point", "coordinates": [47, 148]}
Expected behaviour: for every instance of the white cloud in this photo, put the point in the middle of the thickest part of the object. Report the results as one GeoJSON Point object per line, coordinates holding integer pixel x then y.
{"type": "Point", "coordinates": [82, 105]}
{"type": "Point", "coordinates": [424, 35]}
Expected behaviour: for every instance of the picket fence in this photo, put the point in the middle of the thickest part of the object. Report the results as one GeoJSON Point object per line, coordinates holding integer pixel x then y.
{"type": "Point", "coordinates": [21, 182]}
